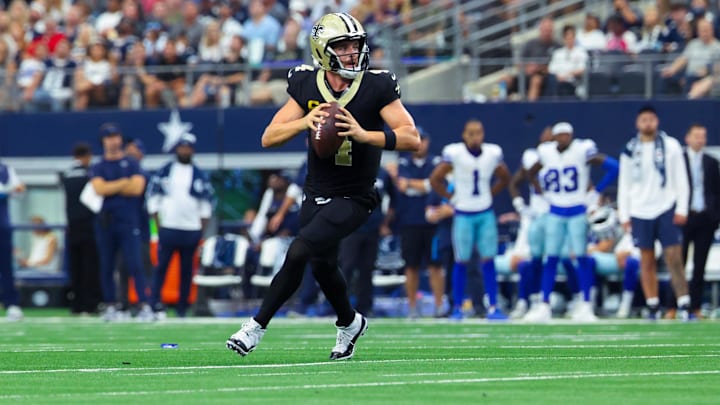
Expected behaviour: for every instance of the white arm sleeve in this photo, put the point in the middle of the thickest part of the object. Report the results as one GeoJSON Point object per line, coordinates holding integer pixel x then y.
{"type": "Point", "coordinates": [257, 229]}
{"type": "Point", "coordinates": [680, 182]}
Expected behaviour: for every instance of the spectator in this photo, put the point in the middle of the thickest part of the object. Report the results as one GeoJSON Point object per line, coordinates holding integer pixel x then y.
{"type": "Point", "coordinates": [323, 7]}
{"type": "Point", "coordinates": [651, 32]}
{"type": "Point", "coordinates": [80, 47]}
{"type": "Point", "coordinates": [210, 49]}
{"type": "Point", "coordinates": [427, 38]}
{"type": "Point", "coordinates": [190, 25]}
{"type": "Point", "coordinates": [29, 73]}
{"type": "Point", "coordinates": [697, 58]}
{"type": "Point", "coordinates": [568, 63]}
{"type": "Point", "coordinates": [123, 41]}
{"type": "Point", "coordinates": [169, 82]}
{"type": "Point", "coordinates": [74, 22]}
{"type": "Point", "coordinates": [289, 46]}
{"type": "Point", "coordinates": [50, 37]}
{"type": "Point", "coordinates": [81, 248]}
{"type": "Point", "coordinates": [699, 10]}
{"type": "Point", "coordinates": [229, 26]}
{"type": "Point", "coordinates": [535, 58]}
{"type": "Point", "coordinates": [619, 38]}
{"type": "Point", "coordinates": [591, 37]}
{"type": "Point", "coordinates": [109, 19]}
{"type": "Point", "coordinates": [9, 184]}
{"type": "Point", "coordinates": [630, 17]}
{"type": "Point", "coordinates": [55, 83]}
{"type": "Point", "coordinates": [43, 255]}
{"type": "Point", "coordinates": [57, 9]}
{"type": "Point", "coordinates": [7, 75]}
{"type": "Point", "coordinates": [277, 9]}
{"type": "Point", "coordinates": [5, 35]}
{"type": "Point", "coordinates": [262, 32]}
{"type": "Point", "coordinates": [673, 37]}
{"type": "Point", "coordinates": [222, 85]}
{"type": "Point", "coordinates": [135, 83]}
{"type": "Point", "coordinates": [94, 79]}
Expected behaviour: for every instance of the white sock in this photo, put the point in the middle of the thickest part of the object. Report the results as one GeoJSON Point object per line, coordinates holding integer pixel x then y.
{"type": "Point", "coordinates": [683, 301]}
{"type": "Point", "coordinates": [652, 302]}
{"type": "Point", "coordinates": [626, 300]}
{"type": "Point", "coordinates": [522, 302]}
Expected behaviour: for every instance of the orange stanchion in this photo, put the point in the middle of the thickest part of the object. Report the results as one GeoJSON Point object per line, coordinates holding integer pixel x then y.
{"type": "Point", "coordinates": [170, 293]}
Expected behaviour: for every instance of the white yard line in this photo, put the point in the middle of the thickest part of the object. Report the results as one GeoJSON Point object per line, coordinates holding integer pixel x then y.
{"type": "Point", "coordinates": [303, 387]}
{"type": "Point", "coordinates": [356, 362]}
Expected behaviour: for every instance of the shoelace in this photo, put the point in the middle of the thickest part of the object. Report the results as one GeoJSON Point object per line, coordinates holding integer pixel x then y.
{"type": "Point", "coordinates": [344, 337]}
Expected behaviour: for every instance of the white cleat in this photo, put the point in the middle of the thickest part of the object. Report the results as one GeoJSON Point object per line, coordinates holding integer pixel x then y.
{"type": "Point", "coordinates": [246, 339]}
{"type": "Point", "coordinates": [584, 313]}
{"type": "Point", "coordinates": [14, 313]}
{"type": "Point", "coordinates": [145, 314]}
{"type": "Point", "coordinates": [539, 313]}
{"type": "Point", "coordinates": [521, 308]}
{"type": "Point", "coordinates": [347, 336]}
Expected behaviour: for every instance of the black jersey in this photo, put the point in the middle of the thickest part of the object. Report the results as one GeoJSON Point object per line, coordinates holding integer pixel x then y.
{"type": "Point", "coordinates": [353, 169]}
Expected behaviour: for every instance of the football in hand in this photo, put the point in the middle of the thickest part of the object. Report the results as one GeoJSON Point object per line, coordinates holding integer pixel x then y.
{"type": "Point", "coordinates": [324, 138]}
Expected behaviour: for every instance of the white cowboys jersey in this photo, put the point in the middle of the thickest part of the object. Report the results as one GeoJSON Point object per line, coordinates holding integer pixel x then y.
{"type": "Point", "coordinates": [567, 173]}
{"type": "Point", "coordinates": [538, 204]}
{"type": "Point", "coordinates": [472, 175]}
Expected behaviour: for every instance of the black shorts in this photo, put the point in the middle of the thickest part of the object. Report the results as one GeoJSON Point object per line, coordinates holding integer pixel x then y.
{"type": "Point", "coordinates": [416, 244]}
{"type": "Point", "coordinates": [324, 222]}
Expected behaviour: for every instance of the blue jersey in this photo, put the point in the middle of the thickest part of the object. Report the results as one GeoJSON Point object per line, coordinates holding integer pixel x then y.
{"type": "Point", "coordinates": [383, 184]}
{"type": "Point", "coordinates": [444, 227]}
{"type": "Point", "coordinates": [121, 208]}
{"type": "Point", "coordinates": [8, 181]}
{"type": "Point", "coordinates": [410, 206]}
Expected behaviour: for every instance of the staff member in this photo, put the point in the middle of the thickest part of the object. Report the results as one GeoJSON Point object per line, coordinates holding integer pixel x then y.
{"type": "Point", "coordinates": [180, 200]}
{"type": "Point", "coordinates": [81, 247]}
{"type": "Point", "coordinates": [9, 183]}
{"type": "Point", "coordinates": [117, 178]}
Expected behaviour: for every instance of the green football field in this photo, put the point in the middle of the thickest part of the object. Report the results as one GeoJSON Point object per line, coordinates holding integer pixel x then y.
{"type": "Point", "coordinates": [59, 359]}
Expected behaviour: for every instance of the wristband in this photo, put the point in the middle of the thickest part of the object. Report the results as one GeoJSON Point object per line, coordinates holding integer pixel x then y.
{"type": "Point", "coordinates": [390, 140]}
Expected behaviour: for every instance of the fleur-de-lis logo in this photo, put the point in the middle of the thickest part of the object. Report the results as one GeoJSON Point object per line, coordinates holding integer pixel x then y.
{"type": "Point", "coordinates": [316, 31]}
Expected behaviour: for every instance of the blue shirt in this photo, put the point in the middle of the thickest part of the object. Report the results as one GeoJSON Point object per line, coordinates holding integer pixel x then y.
{"type": "Point", "coordinates": [410, 206]}
{"type": "Point", "coordinates": [384, 186]}
{"type": "Point", "coordinates": [444, 227]}
{"type": "Point", "coordinates": [121, 208]}
{"type": "Point", "coordinates": [7, 178]}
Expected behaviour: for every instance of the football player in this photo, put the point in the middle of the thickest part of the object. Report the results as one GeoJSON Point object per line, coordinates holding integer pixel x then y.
{"type": "Point", "coordinates": [473, 163]}
{"type": "Point", "coordinates": [338, 192]}
{"type": "Point", "coordinates": [567, 162]}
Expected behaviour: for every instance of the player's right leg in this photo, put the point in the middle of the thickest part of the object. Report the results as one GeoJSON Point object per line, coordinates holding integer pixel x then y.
{"type": "Point", "coordinates": [643, 232]}
{"type": "Point", "coordinates": [463, 241]}
{"type": "Point", "coordinates": [555, 232]}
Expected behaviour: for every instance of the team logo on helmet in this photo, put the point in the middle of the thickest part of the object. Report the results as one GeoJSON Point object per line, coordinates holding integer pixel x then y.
{"type": "Point", "coordinates": [317, 31]}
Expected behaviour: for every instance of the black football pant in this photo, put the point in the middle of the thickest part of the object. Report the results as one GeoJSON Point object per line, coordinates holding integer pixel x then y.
{"type": "Point", "coordinates": [358, 252]}
{"type": "Point", "coordinates": [323, 224]}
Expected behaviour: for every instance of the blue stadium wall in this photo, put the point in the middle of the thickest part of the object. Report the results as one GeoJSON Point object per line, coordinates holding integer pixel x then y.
{"type": "Point", "coordinates": [514, 126]}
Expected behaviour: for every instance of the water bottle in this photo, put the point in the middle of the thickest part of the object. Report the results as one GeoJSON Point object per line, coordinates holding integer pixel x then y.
{"type": "Point", "coordinates": [502, 90]}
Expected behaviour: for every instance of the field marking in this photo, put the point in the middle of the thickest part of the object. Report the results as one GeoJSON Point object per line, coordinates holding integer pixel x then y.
{"type": "Point", "coordinates": [354, 362]}
{"type": "Point", "coordinates": [366, 384]}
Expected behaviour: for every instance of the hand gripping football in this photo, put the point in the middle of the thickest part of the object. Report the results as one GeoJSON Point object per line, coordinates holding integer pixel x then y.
{"type": "Point", "coordinates": [325, 140]}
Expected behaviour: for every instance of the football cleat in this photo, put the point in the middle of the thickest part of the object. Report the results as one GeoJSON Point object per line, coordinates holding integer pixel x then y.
{"type": "Point", "coordinates": [347, 336]}
{"type": "Point", "coordinates": [246, 339]}
{"type": "Point", "coordinates": [539, 313]}
{"type": "Point", "coordinates": [14, 313]}
{"type": "Point", "coordinates": [584, 313]}
{"type": "Point", "coordinates": [494, 314]}
{"type": "Point", "coordinates": [521, 308]}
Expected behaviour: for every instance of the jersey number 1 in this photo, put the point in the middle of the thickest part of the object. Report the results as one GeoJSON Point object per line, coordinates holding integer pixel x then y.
{"type": "Point", "coordinates": [476, 182]}
{"type": "Point", "coordinates": [343, 156]}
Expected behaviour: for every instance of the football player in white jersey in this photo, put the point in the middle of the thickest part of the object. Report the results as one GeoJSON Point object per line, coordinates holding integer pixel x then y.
{"type": "Point", "coordinates": [473, 163]}
{"type": "Point", "coordinates": [530, 240]}
{"type": "Point", "coordinates": [567, 162]}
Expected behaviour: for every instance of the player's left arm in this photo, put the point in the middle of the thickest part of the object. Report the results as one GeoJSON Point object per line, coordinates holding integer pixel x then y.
{"type": "Point", "coordinates": [611, 166]}
{"type": "Point", "coordinates": [395, 116]}
{"type": "Point", "coordinates": [437, 179]}
{"type": "Point", "coordinates": [502, 178]}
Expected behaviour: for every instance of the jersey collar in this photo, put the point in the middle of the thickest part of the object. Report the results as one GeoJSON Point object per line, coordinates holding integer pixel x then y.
{"type": "Point", "coordinates": [328, 94]}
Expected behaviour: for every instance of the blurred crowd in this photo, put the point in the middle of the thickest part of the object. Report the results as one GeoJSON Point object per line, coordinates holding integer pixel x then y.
{"type": "Point", "coordinates": [678, 38]}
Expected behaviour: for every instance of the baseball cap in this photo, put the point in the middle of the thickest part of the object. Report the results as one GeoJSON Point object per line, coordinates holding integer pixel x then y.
{"type": "Point", "coordinates": [562, 128]}
{"type": "Point", "coordinates": [109, 129]}
{"type": "Point", "coordinates": [187, 139]}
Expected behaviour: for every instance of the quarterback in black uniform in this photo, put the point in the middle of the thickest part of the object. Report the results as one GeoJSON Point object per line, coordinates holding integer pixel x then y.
{"type": "Point", "coordinates": [339, 193]}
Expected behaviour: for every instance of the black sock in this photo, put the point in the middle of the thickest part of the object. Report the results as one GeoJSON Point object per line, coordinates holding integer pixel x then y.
{"type": "Point", "coordinates": [285, 282]}
{"type": "Point", "coordinates": [333, 285]}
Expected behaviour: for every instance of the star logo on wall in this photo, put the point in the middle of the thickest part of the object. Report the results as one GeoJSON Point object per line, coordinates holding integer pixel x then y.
{"type": "Point", "coordinates": [173, 130]}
